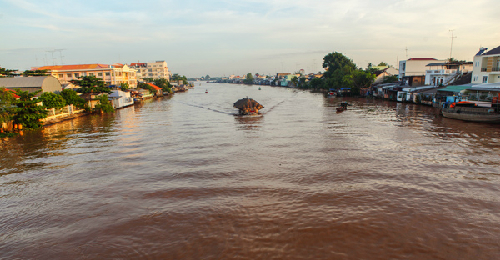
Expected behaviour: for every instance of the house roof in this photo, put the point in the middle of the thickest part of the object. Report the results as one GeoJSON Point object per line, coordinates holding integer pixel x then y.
{"type": "Point", "coordinates": [154, 86]}
{"type": "Point", "coordinates": [492, 51]}
{"type": "Point", "coordinates": [23, 82]}
{"type": "Point", "coordinates": [435, 64]}
{"type": "Point", "coordinates": [74, 67]}
{"type": "Point", "coordinates": [456, 89]}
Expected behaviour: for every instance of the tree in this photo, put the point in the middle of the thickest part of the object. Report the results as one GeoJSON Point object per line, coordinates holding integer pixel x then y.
{"type": "Point", "coordinates": [176, 77]}
{"type": "Point", "coordinates": [316, 83]}
{"type": "Point", "coordinates": [146, 86]}
{"type": "Point", "coordinates": [123, 86]}
{"type": "Point", "coordinates": [383, 64]}
{"type": "Point", "coordinates": [7, 105]}
{"type": "Point", "coordinates": [52, 100]}
{"type": "Point", "coordinates": [91, 84]}
{"type": "Point", "coordinates": [359, 79]}
{"type": "Point", "coordinates": [34, 73]}
{"type": "Point", "coordinates": [249, 79]}
{"type": "Point", "coordinates": [337, 66]}
{"type": "Point", "coordinates": [5, 73]}
{"type": "Point", "coordinates": [29, 113]}
{"type": "Point", "coordinates": [104, 105]}
{"type": "Point", "coordinates": [295, 81]}
{"type": "Point", "coordinates": [163, 84]}
{"type": "Point", "coordinates": [72, 98]}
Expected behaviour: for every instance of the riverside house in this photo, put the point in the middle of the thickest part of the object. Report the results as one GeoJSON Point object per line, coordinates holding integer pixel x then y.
{"type": "Point", "coordinates": [111, 74]}
{"type": "Point", "coordinates": [32, 84]}
{"type": "Point", "coordinates": [486, 66]}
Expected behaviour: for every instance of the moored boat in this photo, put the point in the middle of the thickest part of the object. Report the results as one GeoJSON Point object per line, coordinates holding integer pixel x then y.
{"type": "Point", "coordinates": [469, 111]}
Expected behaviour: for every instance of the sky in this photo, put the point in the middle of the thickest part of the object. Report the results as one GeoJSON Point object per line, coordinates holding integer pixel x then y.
{"type": "Point", "coordinates": [220, 38]}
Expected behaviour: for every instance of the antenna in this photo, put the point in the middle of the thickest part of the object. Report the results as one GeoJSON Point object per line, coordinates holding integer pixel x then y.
{"type": "Point", "coordinates": [451, 48]}
{"type": "Point", "coordinates": [53, 60]}
{"type": "Point", "coordinates": [60, 54]}
{"type": "Point", "coordinates": [406, 53]}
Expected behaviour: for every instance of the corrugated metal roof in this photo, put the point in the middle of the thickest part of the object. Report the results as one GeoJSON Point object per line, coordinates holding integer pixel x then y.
{"type": "Point", "coordinates": [23, 82]}
{"type": "Point", "coordinates": [456, 89]}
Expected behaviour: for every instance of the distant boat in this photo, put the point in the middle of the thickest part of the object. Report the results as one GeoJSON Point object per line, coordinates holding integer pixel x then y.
{"type": "Point", "coordinates": [206, 91]}
{"type": "Point", "coordinates": [259, 88]}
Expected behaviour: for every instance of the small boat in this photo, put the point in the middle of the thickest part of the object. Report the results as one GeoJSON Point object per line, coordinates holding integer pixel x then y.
{"type": "Point", "coordinates": [206, 91]}
{"type": "Point", "coordinates": [340, 109]}
{"type": "Point", "coordinates": [342, 106]}
{"type": "Point", "coordinates": [259, 88]}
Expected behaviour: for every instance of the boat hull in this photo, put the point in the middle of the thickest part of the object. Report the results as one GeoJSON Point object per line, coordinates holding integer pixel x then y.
{"type": "Point", "coordinates": [485, 115]}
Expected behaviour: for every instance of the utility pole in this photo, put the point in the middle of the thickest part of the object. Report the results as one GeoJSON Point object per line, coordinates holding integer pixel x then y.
{"type": "Point", "coordinates": [451, 49]}
{"type": "Point", "coordinates": [406, 53]}
{"type": "Point", "coordinates": [60, 54]}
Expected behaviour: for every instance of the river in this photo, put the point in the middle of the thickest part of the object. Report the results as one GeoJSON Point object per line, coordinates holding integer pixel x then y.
{"type": "Point", "coordinates": [183, 178]}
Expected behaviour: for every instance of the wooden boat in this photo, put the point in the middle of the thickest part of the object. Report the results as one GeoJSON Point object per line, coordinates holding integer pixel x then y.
{"type": "Point", "coordinates": [247, 106]}
{"type": "Point", "coordinates": [469, 111]}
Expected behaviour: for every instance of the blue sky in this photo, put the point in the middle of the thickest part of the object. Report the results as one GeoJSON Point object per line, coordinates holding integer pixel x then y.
{"type": "Point", "coordinates": [219, 38]}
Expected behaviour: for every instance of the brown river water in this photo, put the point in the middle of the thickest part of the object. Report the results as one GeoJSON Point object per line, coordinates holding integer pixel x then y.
{"type": "Point", "coordinates": [183, 178]}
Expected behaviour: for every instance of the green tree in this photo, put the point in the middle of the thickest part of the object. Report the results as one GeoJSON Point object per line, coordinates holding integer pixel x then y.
{"type": "Point", "coordinates": [163, 84]}
{"type": "Point", "coordinates": [124, 86]}
{"type": "Point", "coordinates": [104, 105]}
{"type": "Point", "coordinates": [249, 79]}
{"type": "Point", "coordinates": [295, 81]}
{"type": "Point", "coordinates": [52, 100]}
{"type": "Point", "coordinates": [177, 77]}
{"type": "Point", "coordinates": [29, 113]}
{"type": "Point", "coordinates": [146, 86]}
{"type": "Point", "coordinates": [383, 64]}
{"type": "Point", "coordinates": [359, 79]}
{"type": "Point", "coordinates": [91, 84]}
{"type": "Point", "coordinates": [316, 83]}
{"type": "Point", "coordinates": [337, 66]}
{"type": "Point", "coordinates": [72, 98]}
{"type": "Point", "coordinates": [7, 105]}
{"type": "Point", "coordinates": [6, 73]}
{"type": "Point", "coordinates": [35, 73]}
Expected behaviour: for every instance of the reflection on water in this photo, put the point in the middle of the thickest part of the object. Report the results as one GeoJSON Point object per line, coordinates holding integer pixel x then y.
{"type": "Point", "coordinates": [184, 178]}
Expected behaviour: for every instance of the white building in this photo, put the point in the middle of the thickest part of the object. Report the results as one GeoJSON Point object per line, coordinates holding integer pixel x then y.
{"type": "Point", "coordinates": [486, 66]}
{"type": "Point", "coordinates": [444, 73]}
{"type": "Point", "coordinates": [154, 70]}
{"type": "Point", "coordinates": [412, 71]}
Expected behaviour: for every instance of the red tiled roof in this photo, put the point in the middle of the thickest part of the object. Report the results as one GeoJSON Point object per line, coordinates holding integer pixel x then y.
{"type": "Point", "coordinates": [74, 67]}
{"type": "Point", "coordinates": [138, 64]}
{"type": "Point", "coordinates": [154, 86]}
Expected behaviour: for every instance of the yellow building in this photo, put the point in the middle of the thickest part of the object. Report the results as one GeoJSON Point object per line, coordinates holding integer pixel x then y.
{"type": "Point", "coordinates": [111, 74]}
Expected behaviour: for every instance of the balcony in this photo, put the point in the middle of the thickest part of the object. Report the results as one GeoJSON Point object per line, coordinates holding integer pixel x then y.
{"type": "Point", "coordinates": [441, 72]}
{"type": "Point", "coordinates": [484, 69]}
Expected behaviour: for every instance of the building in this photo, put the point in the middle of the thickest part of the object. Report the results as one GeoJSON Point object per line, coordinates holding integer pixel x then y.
{"type": "Point", "coordinates": [412, 71]}
{"type": "Point", "coordinates": [486, 66]}
{"type": "Point", "coordinates": [445, 73]}
{"type": "Point", "coordinates": [384, 73]}
{"type": "Point", "coordinates": [154, 70]}
{"type": "Point", "coordinates": [115, 74]}
{"type": "Point", "coordinates": [32, 84]}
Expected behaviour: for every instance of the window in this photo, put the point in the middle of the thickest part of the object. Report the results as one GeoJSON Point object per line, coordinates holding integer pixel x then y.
{"type": "Point", "coordinates": [69, 75]}
{"type": "Point", "coordinates": [77, 75]}
{"type": "Point", "coordinates": [485, 79]}
{"type": "Point", "coordinates": [100, 74]}
{"type": "Point", "coordinates": [61, 75]}
{"type": "Point", "coordinates": [477, 63]}
{"type": "Point", "coordinates": [91, 74]}
{"type": "Point", "coordinates": [107, 74]}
